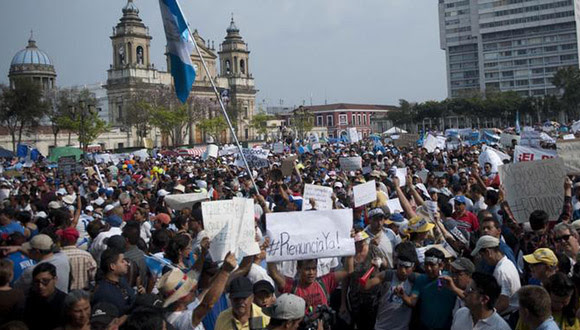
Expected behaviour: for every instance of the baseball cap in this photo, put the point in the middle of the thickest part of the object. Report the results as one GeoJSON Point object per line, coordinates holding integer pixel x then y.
{"type": "Point", "coordinates": [68, 199]}
{"type": "Point", "coordinates": [338, 185]}
{"type": "Point", "coordinates": [463, 264]}
{"type": "Point", "coordinates": [263, 285]}
{"type": "Point", "coordinates": [576, 225]}
{"type": "Point", "coordinates": [395, 218]}
{"type": "Point", "coordinates": [542, 255]}
{"type": "Point", "coordinates": [89, 208]}
{"type": "Point", "coordinates": [103, 313]}
{"type": "Point", "coordinates": [61, 192]}
{"type": "Point", "coordinates": [460, 199]}
{"type": "Point", "coordinates": [376, 212]}
{"type": "Point", "coordinates": [41, 242]}
{"type": "Point", "coordinates": [179, 188]}
{"type": "Point", "coordinates": [175, 285]}
{"type": "Point", "coordinates": [420, 225]}
{"type": "Point", "coordinates": [287, 307]}
{"type": "Point", "coordinates": [108, 208]}
{"type": "Point", "coordinates": [241, 287]}
{"type": "Point", "coordinates": [114, 220]}
{"type": "Point", "coordinates": [485, 242]}
{"type": "Point", "coordinates": [164, 218]}
{"type": "Point", "coordinates": [162, 193]}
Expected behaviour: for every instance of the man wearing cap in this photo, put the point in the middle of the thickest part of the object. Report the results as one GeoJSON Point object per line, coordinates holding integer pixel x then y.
{"type": "Point", "coordinates": [264, 293]}
{"type": "Point", "coordinates": [490, 226]}
{"type": "Point", "coordinates": [286, 313]}
{"type": "Point", "coordinates": [479, 313]}
{"type": "Point", "coordinates": [395, 225]}
{"type": "Point", "coordinates": [467, 220]}
{"type": "Point", "coordinates": [543, 264]}
{"type": "Point", "coordinates": [505, 273]}
{"type": "Point", "coordinates": [83, 266]}
{"type": "Point", "coordinates": [243, 314]}
{"type": "Point", "coordinates": [178, 291]}
{"type": "Point", "coordinates": [41, 249]}
{"type": "Point", "coordinates": [377, 235]}
{"type": "Point", "coordinates": [459, 279]}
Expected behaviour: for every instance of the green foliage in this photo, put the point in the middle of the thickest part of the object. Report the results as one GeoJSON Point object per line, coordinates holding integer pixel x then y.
{"type": "Point", "coordinates": [260, 122]}
{"type": "Point", "coordinates": [213, 126]}
{"type": "Point", "coordinates": [79, 115]}
{"type": "Point", "coordinates": [170, 121]}
{"type": "Point", "coordinates": [303, 121]}
{"type": "Point", "coordinates": [567, 80]}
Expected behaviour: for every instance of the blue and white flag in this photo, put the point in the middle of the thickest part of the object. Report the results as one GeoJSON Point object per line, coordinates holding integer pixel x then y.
{"type": "Point", "coordinates": [518, 129]}
{"type": "Point", "coordinates": [179, 47]}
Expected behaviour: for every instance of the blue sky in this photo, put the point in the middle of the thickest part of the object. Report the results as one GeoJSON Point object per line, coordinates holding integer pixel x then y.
{"type": "Point", "coordinates": [369, 51]}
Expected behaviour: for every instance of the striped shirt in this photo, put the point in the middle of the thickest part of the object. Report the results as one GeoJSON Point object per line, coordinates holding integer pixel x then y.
{"type": "Point", "coordinates": [82, 265]}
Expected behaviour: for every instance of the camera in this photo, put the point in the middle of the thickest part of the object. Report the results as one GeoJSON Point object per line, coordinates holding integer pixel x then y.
{"type": "Point", "coordinates": [322, 313]}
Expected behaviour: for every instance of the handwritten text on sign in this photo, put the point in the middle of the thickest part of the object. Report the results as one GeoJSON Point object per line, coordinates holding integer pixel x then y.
{"type": "Point", "coordinates": [569, 151]}
{"type": "Point", "coordinates": [229, 224]}
{"type": "Point", "coordinates": [350, 163]}
{"type": "Point", "coordinates": [322, 196]}
{"type": "Point", "coordinates": [256, 158]}
{"type": "Point", "coordinates": [309, 235]}
{"type": "Point", "coordinates": [536, 185]}
{"type": "Point", "coordinates": [526, 154]}
{"type": "Point", "coordinates": [364, 193]}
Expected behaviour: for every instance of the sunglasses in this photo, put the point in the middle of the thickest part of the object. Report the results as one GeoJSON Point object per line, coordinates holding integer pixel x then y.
{"type": "Point", "coordinates": [562, 238]}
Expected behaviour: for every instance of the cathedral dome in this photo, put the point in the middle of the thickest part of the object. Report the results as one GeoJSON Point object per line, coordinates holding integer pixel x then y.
{"type": "Point", "coordinates": [31, 55]}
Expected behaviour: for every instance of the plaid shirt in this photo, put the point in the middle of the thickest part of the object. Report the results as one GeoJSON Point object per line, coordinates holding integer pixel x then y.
{"type": "Point", "coordinates": [83, 267]}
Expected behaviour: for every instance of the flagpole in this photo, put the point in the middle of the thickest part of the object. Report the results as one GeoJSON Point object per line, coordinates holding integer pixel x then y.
{"type": "Point", "coordinates": [217, 94]}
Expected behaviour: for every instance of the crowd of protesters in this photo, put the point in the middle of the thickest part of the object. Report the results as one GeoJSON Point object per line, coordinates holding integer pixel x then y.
{"type": "Point", "coordinates": [76, 248]}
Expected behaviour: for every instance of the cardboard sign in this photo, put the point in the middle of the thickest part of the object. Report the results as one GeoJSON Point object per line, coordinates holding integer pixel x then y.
{"type": "Point", "coordinates": [256, 158]}
{"type": "Point", "coordinates": [288, 165]}
{"type": "Point", "coordinates": [506, 139]}
{"type": "Point", "coordinates": [184, 201]}
{"type": "Point", "coordinates": [229, 224]}
{"type": "Point", "coordinates": [526, 154]}
{"type": "Point", "coordinates": [395, 205]}
{"type": "Point", "coordinates": [322, 196]}
{"type": "Point", "coordinates": [407, 140]}
{"type": "Point", "coordinates": [569, 151]}
{"type": "Point", "coordinates": [210, 151]}
{"type": "Point", "coordinates": [364, 193]}
{"type": "Point", "coordinates": [348, 164]}
{"type": "Point", "coordinates": [534, 186]}
{"type": "Point", "coordinates": [278, 148]}
{"type": "Point", "coordinates": [67, 165]}
{"type": "Point", "coordinates": [309, 235]}
{"type": "Point", "coordinates": [530, 138]}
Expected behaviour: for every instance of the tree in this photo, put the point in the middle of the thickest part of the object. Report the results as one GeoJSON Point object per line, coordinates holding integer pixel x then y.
{"type": "Point", "coordinates": [303, 121]}
{"type": "Point", "coordinates": [567, 80]}
{"type": "Point", "coordinates": [139, 112]}
{"type": "Point", "coordinates": [170, 121]}
{"type": "Point", "coordinates": [213, 126]}
{"type": "Point", "coordinates": [59, 111]}
{"type": "Point", "coordinates": [21, 108]}
{"type": "Point", "coordinates": [83, 119]}
{"type": "Point", "coordinates": [260, 123]}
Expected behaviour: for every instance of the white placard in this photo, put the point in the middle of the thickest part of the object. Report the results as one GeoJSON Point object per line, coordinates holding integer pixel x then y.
{"type": "Point", "coordinates": [350, 163]}
{"type": "Point", "coordinates": [394, 205]}
{"type": "Point", "coordinates": [184, 201]}
{"type": "Point", "coordinates": [526, 154]}
{"type": "Point", "coordinates": [352, 135]}
{"type": "Point", "coordinates": [229, 224]}
{"type": "Point", "coordinates": [534, 186]}
{"type": "Point", "coordinates": [430, 143]}
{"type": "Point", "coordinates": [278, 148]}
{"type": "Point", "coordinates": [211, 151]}
{"type": "Point", "coordinates": [320, 194]}
{"type": "Point", "coordinates": [309, 235]}
{"type": "Point", "coordinates": [256, 158]}
{"type": "Point", "coordinates": [568, 137]}
{"type": "Point", "coordinates": [402, 175]}
{"type": "Point", "coordinates": [530, 138]}
{"type": "Point", "coordinates": [569, 151]}
{"type": "Point", "coordinates": [364, 193]}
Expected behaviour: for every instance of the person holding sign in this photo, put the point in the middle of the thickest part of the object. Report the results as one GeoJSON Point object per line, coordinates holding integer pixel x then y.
{"type": "Point", "coordinates": [377, 234]}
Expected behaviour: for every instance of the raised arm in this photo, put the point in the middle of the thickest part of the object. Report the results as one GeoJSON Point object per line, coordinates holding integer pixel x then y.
{"type": "Point", "coordinates": [278, 278]}
{"type": "Point", "coordinates": [403, 200]}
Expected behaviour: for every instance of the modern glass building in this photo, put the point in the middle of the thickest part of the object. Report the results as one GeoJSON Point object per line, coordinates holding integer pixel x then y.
{"type": "Point", "coordinates": [507, 45]}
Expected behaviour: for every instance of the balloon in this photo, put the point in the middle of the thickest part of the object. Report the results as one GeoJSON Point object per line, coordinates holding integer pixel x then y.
{"type": "Point", "coordinates": [132, 161]}
{"type": "Point", "coordinates": [124, 166]}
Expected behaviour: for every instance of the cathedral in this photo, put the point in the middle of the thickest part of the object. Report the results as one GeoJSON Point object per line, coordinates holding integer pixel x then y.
{"type": "Point", "coordinates": [132, 71]}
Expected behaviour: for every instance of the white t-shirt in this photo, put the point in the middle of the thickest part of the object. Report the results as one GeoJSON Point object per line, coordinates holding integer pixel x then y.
{"type": "Point", "coordinates": [508, 278]}
{"type": "Point", "coordinates": [462, 321]}
{"type": "Point", "coordinates": [182, 320]}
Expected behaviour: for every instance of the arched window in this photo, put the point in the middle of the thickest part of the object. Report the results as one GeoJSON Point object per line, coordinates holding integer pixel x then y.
{"type": "Point", "coordinates": [121, 52]}
{"type": "Point", "coordinates": [140, 59]}
{"type": "Point", "coordinates": [243, 66]}
{"type": "Point", "coordinates": [228, 67]}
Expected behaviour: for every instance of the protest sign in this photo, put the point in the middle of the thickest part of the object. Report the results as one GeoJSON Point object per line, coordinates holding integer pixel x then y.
{"type": "Point", "coordinates": [184, 201]}
{"type": "Point", "coordinates": [506, 139]}
{"type": "Point", "coordinates": [394, 205]}
{"type": "Point", "coordinates": [423, 174]}
{"type": "Point", "coordinates": [402, 175]}
{"type": "Point", "coordinates": [441, 140]}
{"type": "Point", "coordinates": [568, 137]}
{"type": "Point", "coordinates": [67, 165]}
{"type": "Point", "coordinates": [569, 151]}
{"type": "Point", "coordinates": [534, 186]}
{"type": "Point", "coordinates": [526, 154]}
{"type": "Point", "coordinates": [278, 148]}
{"type": "Point", "coordinates": [256, 158]}
{"type": "Point", "coordinates": [210, 151]}
{"type": "Point", "coordinates": [288, 165]}
{"type": "Point", "coordinates": [228, 151]}
{"type": "Point", "coordinates": [502, 155]}
{"type": "Point", "coordinates": [430, 143]}
{"type": "Point", "coordinates": [530, 138]}
{"type": "Point", "coordinates": [320, 194]}
{"type": "Point", "coordinates": [408, 140]}
{"type": "Point", "coordinates": [364, 193]}
{"type": "Point", "coordinates": [352, 135]}
{"type": "Point", "coordinates": [350, 163]}
{"type": "Point", "coordinates": [309, 235]}
{"type": "Point", "coordinates": [229, 224]}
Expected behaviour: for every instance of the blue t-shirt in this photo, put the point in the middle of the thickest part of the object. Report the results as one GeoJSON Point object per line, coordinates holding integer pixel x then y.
{"type": "Point", "coordinates": [20, 262]}
{"type": "Point", "coordinates": [12, 227]}
{"type": "Point", "coordinates": [435, 303]}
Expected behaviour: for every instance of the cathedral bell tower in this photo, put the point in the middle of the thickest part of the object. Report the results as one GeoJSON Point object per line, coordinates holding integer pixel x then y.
{"type": "Point", "coordinates": [131, 40]}
{"type": "Point", "coordinates": [234, 54]}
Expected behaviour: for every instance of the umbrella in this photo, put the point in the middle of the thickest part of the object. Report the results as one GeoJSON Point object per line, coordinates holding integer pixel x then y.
{"type": "Point", "coordinates": [5, 153]}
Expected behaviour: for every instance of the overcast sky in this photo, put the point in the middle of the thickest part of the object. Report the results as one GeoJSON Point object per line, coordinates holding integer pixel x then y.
{"type": "Point", "coordinates": [369, 51]}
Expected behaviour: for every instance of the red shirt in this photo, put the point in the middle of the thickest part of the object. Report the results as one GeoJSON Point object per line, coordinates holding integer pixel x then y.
{"type": "Point", "coordinates": [313, 294]}
{"type": "Point", "coordinates": [468, 221]}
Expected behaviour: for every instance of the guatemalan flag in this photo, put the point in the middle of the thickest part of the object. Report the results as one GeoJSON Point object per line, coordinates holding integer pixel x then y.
{"type": "Point", "coordinates": [179, 47]}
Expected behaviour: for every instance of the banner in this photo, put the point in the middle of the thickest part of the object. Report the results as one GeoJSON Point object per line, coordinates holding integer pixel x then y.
{"type": "Point", "coordinates": [534, 186]}
{"type": "Point", "coordinates": [526, 154]}
{"type": "Point", "coordinates": [569, 151]}
{"type": "Point", "coordinates": [322, 196]}
{"type": "Point", "coordinates": [506, 139]}
{"type": "Point", "coordinates": [309, 235]}
{"type": "Point", "coordinates": [408, 140]}
{"type": "Point", "coordinates": [256, 158]}
{"type": "Point", "coordinates": [184, 201]}
{"type": "Point", "coordinates": [350, 163]}
{"type": "Point", "coordinates": [530, 138]}
{"type": "Point", "coordinates": [229, 224]}
{"type": "Point", "coordinates": [278, 148]}
{"type": "Point", "coordinates": [364, 193]}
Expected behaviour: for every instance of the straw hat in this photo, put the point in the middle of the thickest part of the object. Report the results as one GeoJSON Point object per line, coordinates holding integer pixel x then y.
{"type": "Point", "coordinates": [175, 285]}
{"type": "Point", "coordinates": [420, 225]}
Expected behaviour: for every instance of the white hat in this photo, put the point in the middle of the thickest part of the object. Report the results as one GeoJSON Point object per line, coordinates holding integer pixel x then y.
{"type": "Point", "coordinates": [68, 199]}
{"type": "Point", "coordinates": [180, 188]}
{"type": "Point", "coordinates": [175, 285]}
{"type": "Point", "coordinates": [61, 192]}
{"type": "Point", "coordinates": [54, 205]}
{"type": "Point", "coordinates": [89, 208]}
{"type": "Point", "coordinates": [162, 193]}
{"type": "Point", "coordinates": [484, 242]}
{"type": "Point", "coordinates": [108, 208]}
{"type": "Point", "coordinates": [287, 307]}
{"type": "Point", "coordinates": [338, 185]}
{"type": "Point", "coordinates": [99, 201]}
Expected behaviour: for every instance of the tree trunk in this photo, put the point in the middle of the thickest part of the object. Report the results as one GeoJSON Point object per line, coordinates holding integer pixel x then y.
{"type": "Point", "coordinates": [55, 137]}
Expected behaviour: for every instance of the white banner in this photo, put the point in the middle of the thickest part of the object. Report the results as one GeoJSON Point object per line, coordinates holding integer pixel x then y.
{"type": "Point", "coordinates": [229, 224]}
{"type": "Point", "coordinates": [569, 151]}
{"type": "Point", "coordinates": [350, 163]}
{"type": "Point", "coordinates": [309, 235]}
{"type": "Point", "coordinates": [534, 186]}
{"type": "Point", "coordinates": [530, 138]}
{"type": "Point", "coordinates": [526, 154]}
{"type": "Point", "coordinates": [256, 158]}
{"type": "Point", "coordinates": [278, 148]}
{"type": "Point", "coordinates": [506, 139]}
{"type": "Point", "coordinates": [184, 201]}
{"type": "Point", "coordinates": [320, 194]}
{"type": "Point", "coordinates": [364, 193]}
